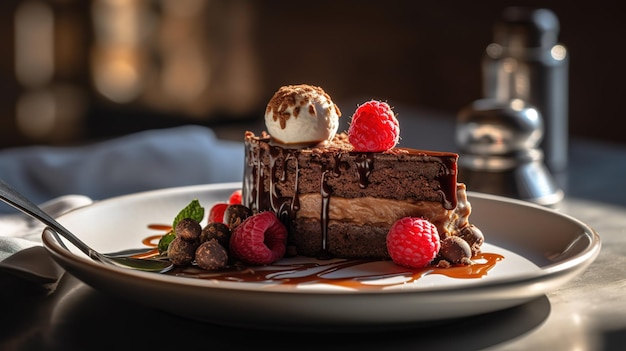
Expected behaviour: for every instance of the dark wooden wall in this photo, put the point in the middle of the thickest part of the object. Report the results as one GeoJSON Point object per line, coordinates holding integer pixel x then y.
{"type": "Point", "coordinates": [421, 53]}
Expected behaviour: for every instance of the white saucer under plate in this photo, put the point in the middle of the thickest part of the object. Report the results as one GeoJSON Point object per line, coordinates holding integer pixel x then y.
{"type": "Point", "coordinates": [542, 249]}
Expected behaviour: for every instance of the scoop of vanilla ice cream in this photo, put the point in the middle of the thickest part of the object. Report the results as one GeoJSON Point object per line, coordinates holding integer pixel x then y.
{"type": "Point", "coordinates": [301, 115]}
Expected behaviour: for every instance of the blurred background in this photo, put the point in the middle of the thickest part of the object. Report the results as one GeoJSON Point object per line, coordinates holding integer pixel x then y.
{"type": "Point", "coordinates": [75, 71]}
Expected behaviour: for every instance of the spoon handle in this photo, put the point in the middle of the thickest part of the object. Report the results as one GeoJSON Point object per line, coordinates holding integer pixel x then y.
{"type": "Point", "coordinates": [17, 200]}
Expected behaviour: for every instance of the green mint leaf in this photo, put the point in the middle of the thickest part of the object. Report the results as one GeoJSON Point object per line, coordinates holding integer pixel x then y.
{"type": "Point", "coordinates": [165, 241]}
{"type": "Point", "coordinates": [194, 211]}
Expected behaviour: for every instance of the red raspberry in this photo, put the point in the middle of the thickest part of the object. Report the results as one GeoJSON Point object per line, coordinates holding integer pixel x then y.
{"type": "Point", "coordinates": [413, 242]}
{"type": "Point", "coordinates": [259, 239]}
{"type": "Point", "coordinates": [216, 213]}
{"type": "Point", "coordinates": [374, 127]}
{"type": "Point", "coordinates": [235, 197]}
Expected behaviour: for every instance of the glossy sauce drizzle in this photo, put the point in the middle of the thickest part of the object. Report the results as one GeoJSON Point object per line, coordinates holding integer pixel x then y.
{"type": "Point", "coordinates": [320, 272]}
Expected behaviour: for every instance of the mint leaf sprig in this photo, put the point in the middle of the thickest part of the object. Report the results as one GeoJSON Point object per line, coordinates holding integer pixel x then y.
{"type": "Point", "coordinates": [194, 211]}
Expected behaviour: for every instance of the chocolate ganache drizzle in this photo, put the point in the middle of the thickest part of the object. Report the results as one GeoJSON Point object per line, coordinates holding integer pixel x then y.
{"type": "Point", "coordinates": [447, 176]}
{"type": "Point", "coordinates": [365, 165]}
{"type": "Point", "coordinates": [259, 191]}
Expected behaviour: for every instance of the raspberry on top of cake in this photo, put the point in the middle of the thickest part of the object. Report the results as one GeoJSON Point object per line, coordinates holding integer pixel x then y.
{"type": "Point", "coordinates": [339, 195]}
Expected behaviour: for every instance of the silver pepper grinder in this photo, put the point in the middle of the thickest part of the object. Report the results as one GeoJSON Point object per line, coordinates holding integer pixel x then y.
{"type": "Point", "coordinates": [499, 151]}
{"type": "Point", "coordinates": [525, 61]}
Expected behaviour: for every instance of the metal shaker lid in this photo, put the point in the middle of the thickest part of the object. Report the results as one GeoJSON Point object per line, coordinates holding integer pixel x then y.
{"type": "Point", "coordinates": [521, 27]}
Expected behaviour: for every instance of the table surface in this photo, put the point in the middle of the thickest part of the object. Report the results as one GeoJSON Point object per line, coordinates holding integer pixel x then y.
{"type": "Point", "coordinates": [587, 313]}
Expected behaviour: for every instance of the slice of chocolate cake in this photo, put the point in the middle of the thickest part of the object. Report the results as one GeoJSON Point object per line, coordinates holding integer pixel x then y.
{"type": "Point", "coordinates": [340, 194]}
{"type": "Point", "coordinates": [336, 201]}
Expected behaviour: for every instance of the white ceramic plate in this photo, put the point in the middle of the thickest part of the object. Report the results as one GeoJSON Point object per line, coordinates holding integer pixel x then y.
{"type": "Point", "coordinates": [542, 250]}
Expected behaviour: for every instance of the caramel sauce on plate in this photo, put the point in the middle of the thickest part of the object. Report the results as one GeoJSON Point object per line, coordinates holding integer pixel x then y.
{"type": "Point", "coordinates": [320, 272]}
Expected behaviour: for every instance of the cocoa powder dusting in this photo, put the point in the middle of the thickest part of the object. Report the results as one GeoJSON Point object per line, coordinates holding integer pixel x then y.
{"type": "Point", "coordinates": [285, 97]}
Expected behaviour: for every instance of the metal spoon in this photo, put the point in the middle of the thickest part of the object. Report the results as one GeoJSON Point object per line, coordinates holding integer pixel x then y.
{"type": "Point", "coordinates": [20, 202]}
